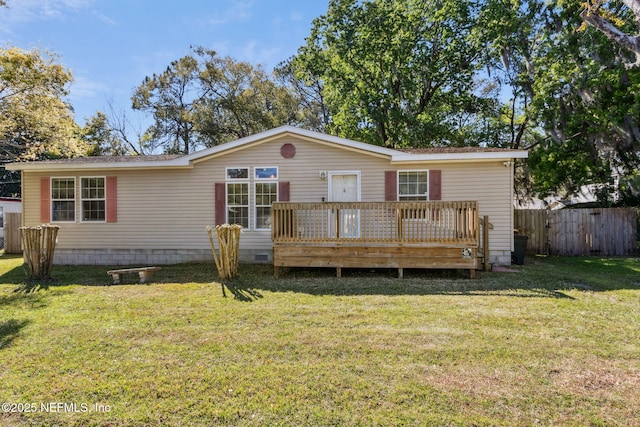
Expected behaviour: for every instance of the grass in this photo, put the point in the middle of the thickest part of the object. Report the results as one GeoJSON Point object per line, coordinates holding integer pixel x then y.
{"type": "Point", "coordinates": [555, 343]}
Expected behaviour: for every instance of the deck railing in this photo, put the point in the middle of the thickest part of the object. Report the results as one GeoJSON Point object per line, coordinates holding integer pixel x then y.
{"type": "Point", "coordinates": [411, 222]}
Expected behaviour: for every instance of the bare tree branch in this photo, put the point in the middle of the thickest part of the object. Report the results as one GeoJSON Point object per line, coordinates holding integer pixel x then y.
{"type": "Point", "coordinates": [592, 15]}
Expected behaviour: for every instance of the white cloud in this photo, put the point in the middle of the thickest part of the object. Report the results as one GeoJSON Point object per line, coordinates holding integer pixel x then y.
{"type": "Point", "coordinates": [240, 10]}
{"type": "Point", "coordinates": [266, 57]}
{"type": "Point", "coordinates": [84, 87]}
{"type": "Point", "coordinates": [23, 11]}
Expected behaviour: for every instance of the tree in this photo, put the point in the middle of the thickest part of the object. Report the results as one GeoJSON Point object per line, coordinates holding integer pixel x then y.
{"type": "Point", "coordinates": [204, 100]}
{"type": "Point", "coordinates": [241, 99]}
{"type": "Point", "coordinates": [172, 98]}
{"type": "Point", "coordinates": [394, 73]}
{"type": "Point", "coordinates": [35, 121]}
{"type": "Point", "coordinates": [307, 93]}
{"type": "Point", "coordinates": [102, 139]}
{"type": "Point", "coordinates": [613, 21]}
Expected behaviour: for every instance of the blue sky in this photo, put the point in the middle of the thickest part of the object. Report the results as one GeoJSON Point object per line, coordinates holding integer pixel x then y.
{"type": "Point", "coordinates": [111, 45]}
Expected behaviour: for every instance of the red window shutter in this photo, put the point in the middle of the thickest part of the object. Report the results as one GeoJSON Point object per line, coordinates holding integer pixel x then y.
{"type": "Point", "coordinates": [220, 198]}
{"type": "Point", "coordinates": [283, 191]}
{"type": "Point", "coordinates": [390, 186]}
{"type": "Point", "coordinates": [112, 199]}
{"type": "Point", "coordinates": [45, 200]}
{"type": "Point", "coordinates": [435, 185]}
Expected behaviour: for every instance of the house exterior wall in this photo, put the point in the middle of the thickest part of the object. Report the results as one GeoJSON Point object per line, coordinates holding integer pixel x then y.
{"type": "Point", "coordinates": [162, 213]}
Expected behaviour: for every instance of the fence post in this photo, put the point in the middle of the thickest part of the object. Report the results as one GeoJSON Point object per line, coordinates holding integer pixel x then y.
{"type": "Point", "coordinates": [485, 242]}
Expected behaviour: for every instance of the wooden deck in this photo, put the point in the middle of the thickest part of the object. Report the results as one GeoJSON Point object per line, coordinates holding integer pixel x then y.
{"type": "Point", "coordinates": [376, 235]}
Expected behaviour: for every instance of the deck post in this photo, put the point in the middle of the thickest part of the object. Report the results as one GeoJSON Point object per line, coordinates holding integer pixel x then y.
{"type": "Point", "coordinates": [401, 273]}
{"type": "Point", "coordinates": [338, 272]}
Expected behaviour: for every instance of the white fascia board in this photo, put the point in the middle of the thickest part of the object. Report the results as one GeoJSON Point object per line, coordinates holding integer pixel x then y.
{"type": "Point", "coordinates": [282, 130]}
{"type": "Point", "coordinates": [46, 166]}
{"type": "Point", "coordinates": [491, 155]}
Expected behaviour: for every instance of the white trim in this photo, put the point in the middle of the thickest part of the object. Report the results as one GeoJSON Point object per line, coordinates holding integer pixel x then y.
{"type": "Point", "coordinates": [358, 174]}
{"type": "Point", "coordinates": [282, 130]}
{"type": "Point", "coordinates": [256, 182]}
{"type": "Point", "coordinates": [352, 224]}
{"type": "Point", "coordinates": [227, 169]}
{"type": "Point", "coordinates": [484, 155]}
{"type": "Point", "coordinates": [82, 199]}
{"type": "Point", "coordinates": [248, 206]}
{"type": "Point", "coordinates": [187, 161]}
{"type": "Point", "coordinates": [75, 199]}
{"type": "Point", "coordinates": [412, 171]}
{"type": "Point", "coordinates": [255, 177]}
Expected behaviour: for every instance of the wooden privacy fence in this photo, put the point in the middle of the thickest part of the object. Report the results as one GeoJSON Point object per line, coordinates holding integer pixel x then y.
{"type": "Point", "coordinates": [12, 242]}
{"type": "Point", "coordinates": [533, 224]}
{"type": "Point", "coordinates": [579, 232]}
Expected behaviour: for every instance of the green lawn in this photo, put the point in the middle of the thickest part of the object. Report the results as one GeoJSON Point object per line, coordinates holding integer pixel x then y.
{"type": "Point", "coordinates": [555, 343]}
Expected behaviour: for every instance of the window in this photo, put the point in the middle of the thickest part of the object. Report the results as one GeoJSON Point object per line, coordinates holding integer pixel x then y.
{"type": "Point", "coordinates": [237, 173]}
{"type": "Point", "coordinates": [63, 199]}
{"type": "Point", "coordinates": [266, 193]}
{"type": "Point", "coordinates": [266, 173]}
{"type": "Point", "coordinates": [93, 198]}
{"type": "Point", "coordinates": [238, 203]}
{"type": "Point", "coordinates": [413, 185]}
{"type": "Point", "coordinates": [251, 210]}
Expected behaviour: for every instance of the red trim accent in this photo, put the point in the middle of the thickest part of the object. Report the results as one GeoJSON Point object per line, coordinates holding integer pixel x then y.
{"type": "Point", "coordinates": [288, 151]}
{"type": "Point", "coordinates": [390, 186]}
{"type": "Point", "coordinates": [284, 191]}
{"type": "Point", "coordinates": [45, 199]}
{"type": "Point", "coordinates": [435, 185]}
{"type": "Point", "coordinates": [220, 199]}
{"type": "Point", "coordinates": [112, 198]}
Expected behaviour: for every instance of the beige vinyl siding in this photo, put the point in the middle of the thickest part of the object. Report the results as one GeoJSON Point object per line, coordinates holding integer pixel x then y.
{"type": "Point", "coordinates": [488, 183]}
{"type": "Point", "coordinates": [170, 208]}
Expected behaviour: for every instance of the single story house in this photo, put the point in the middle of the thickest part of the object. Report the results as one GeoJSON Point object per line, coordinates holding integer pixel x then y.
{"type": "Point", "coordinates": [155, 209]}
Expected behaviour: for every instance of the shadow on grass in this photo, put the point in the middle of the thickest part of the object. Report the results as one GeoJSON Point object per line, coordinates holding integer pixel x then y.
{"type": "Point", "coordinates": [16, 275]}
{"type": "Point", "coordinates": [9, 330]}
{"type": "Point", "coordinates": [540, 277]}
{"type": "Point", "coordinates": [240, 290]}
{"type": "Point", "coordinates": [356, 282]}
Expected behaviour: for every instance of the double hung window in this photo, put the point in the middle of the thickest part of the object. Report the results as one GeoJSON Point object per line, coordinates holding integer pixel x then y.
{"type": "Point", "coordinates": [413, 185]}
{"type": "Point", "coordinates": [238, 196]}
{"type": "Point", "coordinates": [249, 196]}
{"type": "Point", "coordinates": [63, 199]}
{"type": "Point", "coordinates": [92, 199]}
{"type": "Point", "coordinates": [266, 192]}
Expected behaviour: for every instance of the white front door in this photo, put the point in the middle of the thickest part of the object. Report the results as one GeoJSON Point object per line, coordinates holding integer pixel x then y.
{"type": "Point", "coordinates": [345, 187]}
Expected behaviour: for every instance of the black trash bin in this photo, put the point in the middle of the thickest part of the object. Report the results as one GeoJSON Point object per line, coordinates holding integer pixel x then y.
{"type": "Point", "coordinates": [519, 246]}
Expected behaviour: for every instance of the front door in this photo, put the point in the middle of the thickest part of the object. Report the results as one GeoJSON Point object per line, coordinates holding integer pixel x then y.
{"type": "Point", "coordinates": [345, 187]}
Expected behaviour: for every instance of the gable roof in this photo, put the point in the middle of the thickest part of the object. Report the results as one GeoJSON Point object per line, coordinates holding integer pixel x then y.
{"type": "Point", "coordinates": [187, 161]}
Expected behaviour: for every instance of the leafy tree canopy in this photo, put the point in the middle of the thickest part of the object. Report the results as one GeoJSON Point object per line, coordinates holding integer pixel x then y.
{"type": "Point", "coordinates": [395, 72]}
{"type": "Point", "coordinates": [35, 121]}
{"type": "Point", "coordinates": [204, 100]}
